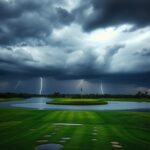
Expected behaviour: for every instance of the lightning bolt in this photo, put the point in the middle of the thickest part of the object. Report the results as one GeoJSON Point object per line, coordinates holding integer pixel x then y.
{"type": "Point", "coordinates": [41, 85]}
{"type": "Point", "coordinates": [101, 87]}
{"type": "Point", "coordinates": [81, 84]}
{"type": "Point", "coordinates": [17, 85]}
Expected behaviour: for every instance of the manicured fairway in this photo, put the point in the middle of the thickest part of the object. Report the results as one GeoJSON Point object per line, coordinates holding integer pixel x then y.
{"type": "Point", "coordinates": [20, 129]}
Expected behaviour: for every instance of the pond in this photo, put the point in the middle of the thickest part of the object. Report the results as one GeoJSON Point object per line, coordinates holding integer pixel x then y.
{"type": "Point", "coordinates": [40, 103]}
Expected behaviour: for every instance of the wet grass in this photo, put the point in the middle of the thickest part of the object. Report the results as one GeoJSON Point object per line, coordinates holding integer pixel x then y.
{"type": "Point", "coordinates": [94, 101]}
{"type": "Point", "coordinates": [21, 128]}
{"type": "Point", "coordinates": [128, 99]}
{"type": "Point", "coordinates": [11, 99]}
{"type": "Point", "coordinates": [74, 101]}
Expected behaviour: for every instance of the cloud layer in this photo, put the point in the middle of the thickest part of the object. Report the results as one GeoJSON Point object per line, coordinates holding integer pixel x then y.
{"type": "Point", "coordinates": [67, 39]}
{"type": "Point", "coordinates": [105, 13]}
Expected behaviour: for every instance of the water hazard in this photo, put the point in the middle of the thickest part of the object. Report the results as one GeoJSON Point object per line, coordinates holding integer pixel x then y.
{"type": "Point", "coordinates": [40, 103]}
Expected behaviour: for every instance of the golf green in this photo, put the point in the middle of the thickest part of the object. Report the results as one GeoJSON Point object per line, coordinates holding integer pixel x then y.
{"type": "Point", "coordinates": [77, 101]}
{"type": "Point", "coordinates": [22, 129]}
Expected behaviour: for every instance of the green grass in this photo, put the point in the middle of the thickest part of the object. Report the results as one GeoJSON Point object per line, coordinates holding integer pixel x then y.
{"type": "Point", "coordinates": [21, 128]}
{"type": "Point", "coordinates": [11, 99]}
{"type": "Point", "coordinates": [128, 99]}
{"type": "Point", "coordinates": [94, 101]}
{"type": "Point", "coordinates": [73, 101]}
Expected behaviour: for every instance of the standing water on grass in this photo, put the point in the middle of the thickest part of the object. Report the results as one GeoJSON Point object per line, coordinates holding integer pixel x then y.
{"type": "Point", "coordinates": [40, 103]}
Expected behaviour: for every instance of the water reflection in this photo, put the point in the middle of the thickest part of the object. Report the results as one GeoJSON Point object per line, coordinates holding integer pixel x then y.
{"type": "Point", "coordinates": [40, 103]}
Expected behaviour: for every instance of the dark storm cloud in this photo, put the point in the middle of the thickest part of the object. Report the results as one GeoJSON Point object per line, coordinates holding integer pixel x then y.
{"type": "Point", "coordinates": [15, 63]}
{"type": "Point", "coordinates": [21, 62]}
{"type": "Point", "coordinates": [29, 21]}
{"type": "Point", "coordinates": [112, 50]}
{"type": "Point", "coordinates": [64, 16]}
{"type": "Point", "coordinates": [116, 12]}
{"type": "Point", "coordinates": [143, 52]}
{"type": "Point", "coordinates": [88, 66]}
{"type": "Point", "coordinates": [125, 78]}
{"type": "Point", "coordinates": [50, 38]}
{"type": "Point", "coordinates": [15, 8]}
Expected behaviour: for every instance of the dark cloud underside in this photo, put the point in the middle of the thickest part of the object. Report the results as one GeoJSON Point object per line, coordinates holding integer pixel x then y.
{"type": "Point", "coordinates": [116, 12]}
{"type": "Point", "coordinates": [67, 40]}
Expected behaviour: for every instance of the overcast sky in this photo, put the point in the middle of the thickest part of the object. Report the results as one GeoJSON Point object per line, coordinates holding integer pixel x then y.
{"type": "Point", "coordinates": [74, 43]}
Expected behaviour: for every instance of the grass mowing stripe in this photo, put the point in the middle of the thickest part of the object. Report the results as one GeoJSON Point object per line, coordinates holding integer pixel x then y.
{"type": "Point", "coordinates": [103, 139]}
{"type": "Point", "coordinates": [62, 116]}
{"type": "Point", "coordinates": [51, 116]}
{"type": "Point", "coordinates": [89, 117]}
{"type": "Point", "coordinates": [71, 117]}
{"type": "Point", "coordinates": [79, 117]}
{"type": "Point", "coordinates": [126, 138]}
{"type": "Point", "coordinates": [131, 129]}
{"type": "Point", "coordinates": [78, 136]}
{"type": "Point", "coordinates": [93, 117]}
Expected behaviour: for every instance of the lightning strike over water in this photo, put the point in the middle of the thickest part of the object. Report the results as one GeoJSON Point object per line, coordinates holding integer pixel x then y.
{"type": "Point", "coordinates": [101, 87]}
{"type": "Point", "coordinates": [17, 85]}
{"type": "Point", "coordinates": [41, 85]}
{"type": "Point", "coordinates": [81, 84]}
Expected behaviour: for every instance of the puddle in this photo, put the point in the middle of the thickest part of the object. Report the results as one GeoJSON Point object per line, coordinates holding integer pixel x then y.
{"type": "Point", "coordinates": [65, 138]}
{"type": "Point", "coordinates": [68, 124]}
{"type": "Point", "coordinates": [117, 146]}
{"type": "Point", "coordinates": [115, 142]}
{"type": "Point", "coordinates": [94, 139]}
{"type": "Point", "coordinates": [42, 141]}
{"type": "Point", "coordinates": [48, 147]}
{"type": "Point", "coordinates": [94, 133]}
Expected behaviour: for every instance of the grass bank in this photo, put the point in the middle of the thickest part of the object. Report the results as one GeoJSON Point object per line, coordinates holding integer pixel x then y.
{"type": "Point", "coordinates": [11, 99]}
{"type": "Point", "coordinates": [93, 101]}
{"type": "Point", "coordinates": [128, 99]}
{"type": "Point", "coordinates": [21, 128]}
{"type": "Point", "coordinates": [73, 101]}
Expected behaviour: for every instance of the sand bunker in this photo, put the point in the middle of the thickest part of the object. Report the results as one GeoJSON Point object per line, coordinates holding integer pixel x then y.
{"type": "Point", "coordinates": [48, 147]}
